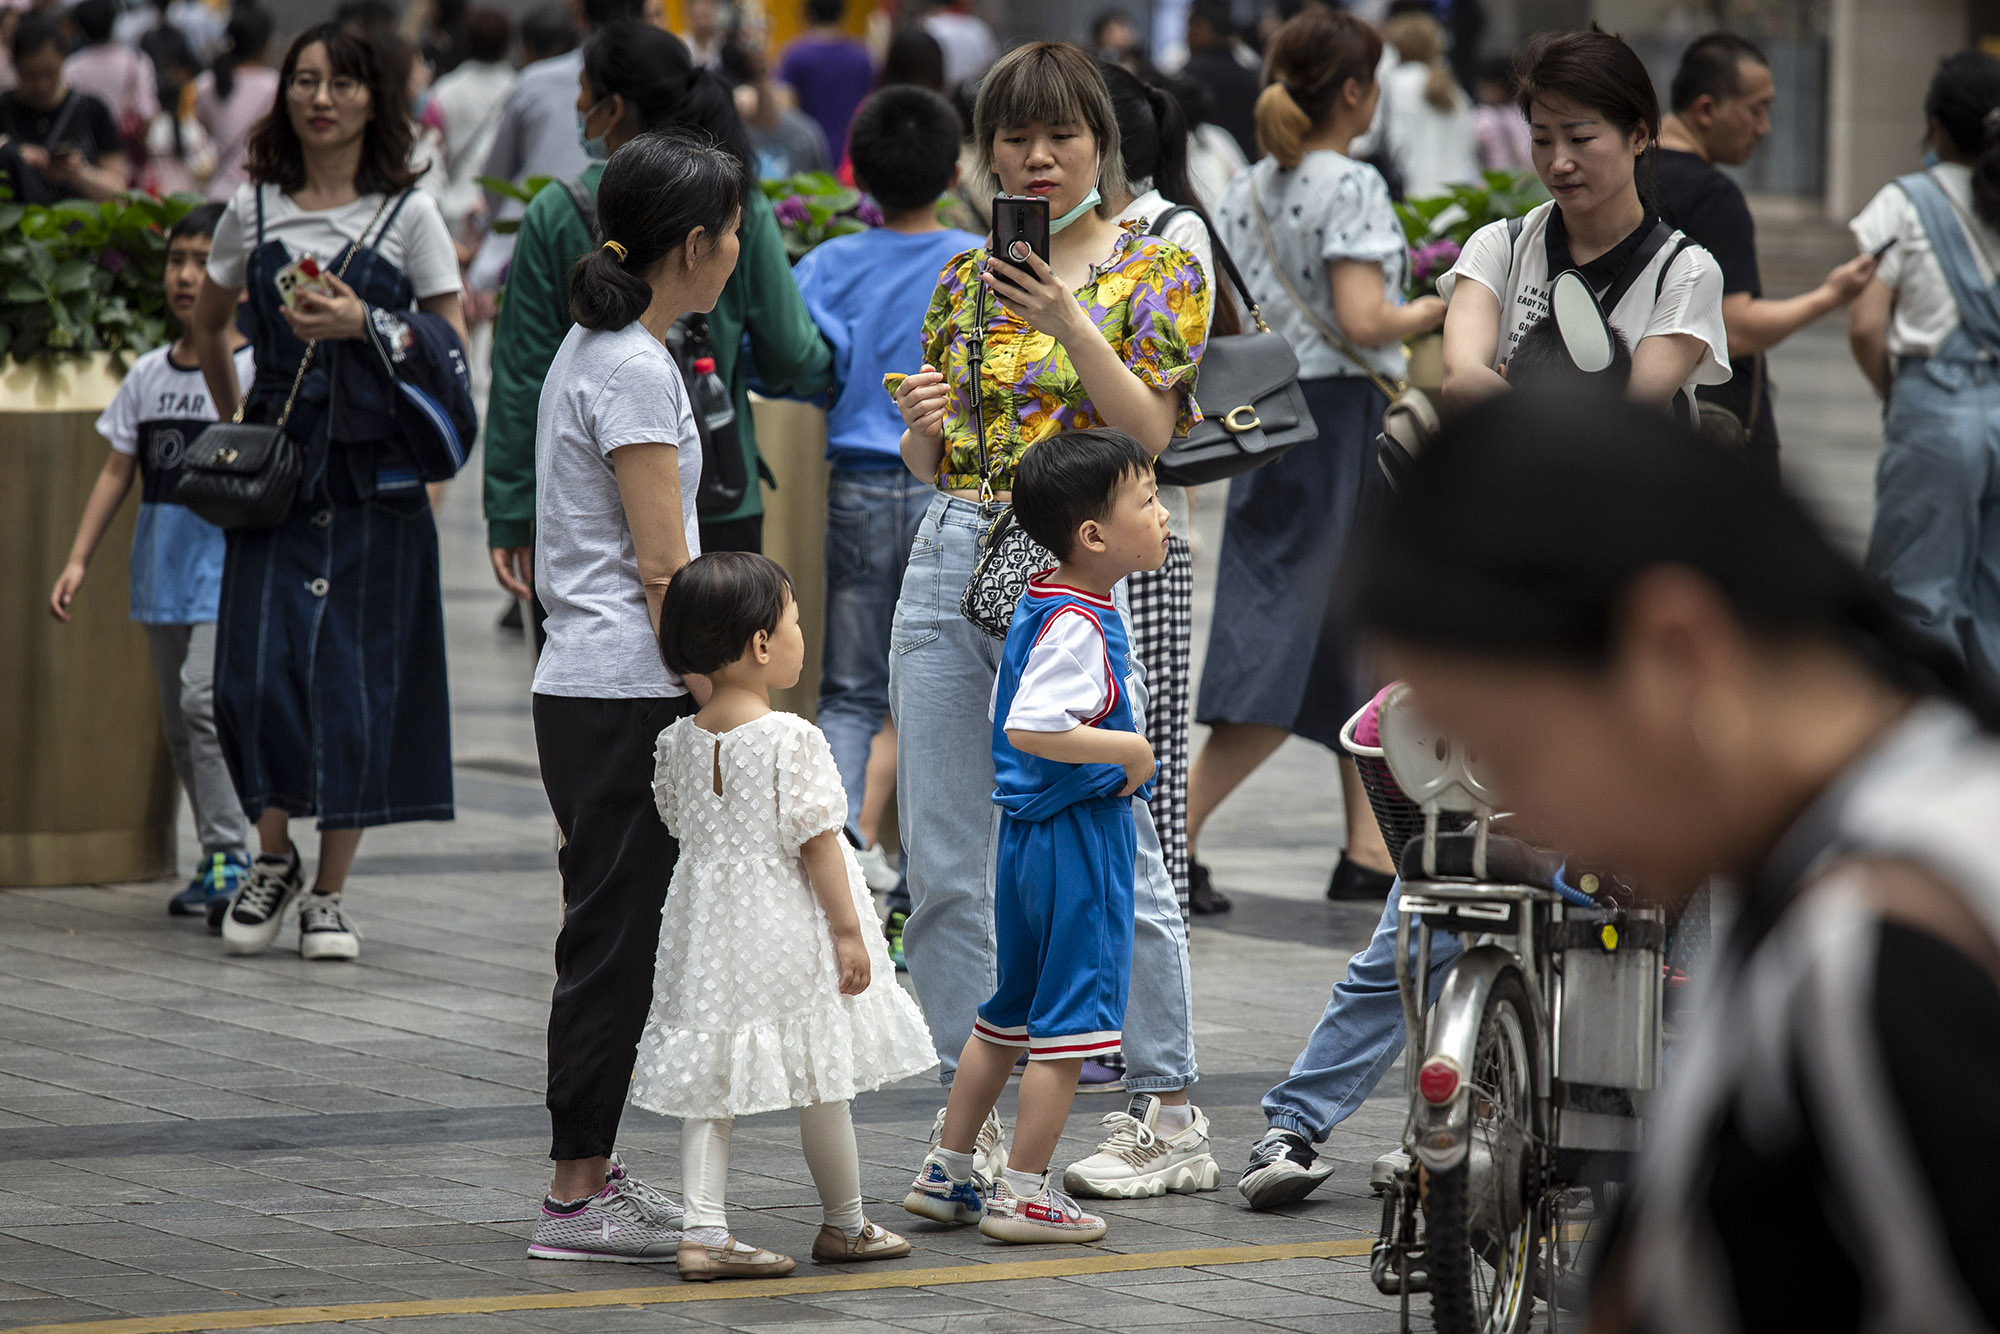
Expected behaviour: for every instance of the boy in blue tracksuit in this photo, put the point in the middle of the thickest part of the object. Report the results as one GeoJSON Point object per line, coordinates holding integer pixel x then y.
{"type": "Point", "coordinates": [1067, 759]}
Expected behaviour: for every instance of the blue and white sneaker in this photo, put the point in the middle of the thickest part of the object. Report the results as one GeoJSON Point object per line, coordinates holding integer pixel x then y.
{"type": "Point", "coordinates": [218, 877]}
{"type": "Point", "coordinates": [934, 1195]}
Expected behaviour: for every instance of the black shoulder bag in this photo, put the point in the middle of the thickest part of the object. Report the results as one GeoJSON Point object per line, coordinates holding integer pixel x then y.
{"type": "Point", "coordinates": [1248, 387]}
{"type": "Point", "coordinates": [245, 474]}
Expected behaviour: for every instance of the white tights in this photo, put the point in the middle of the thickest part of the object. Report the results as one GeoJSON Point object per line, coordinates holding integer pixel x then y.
{"type": "Point", "coordinates": [826, 1132]}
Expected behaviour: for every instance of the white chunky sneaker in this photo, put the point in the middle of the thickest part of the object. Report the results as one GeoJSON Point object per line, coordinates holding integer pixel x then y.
{"type": "Point", "coordinates": [610, 1225]}
{"type": "Point", "coordinates": [1026, 1220]}
{"type": "Point", "coordinates": [258, 908]}
{"type": "Point", "coordinates": [876, 870]}
{"type": "Point", "coordinates": [1137, 1161]}
{"type": "Point", "coordinates": [989, 1150]}
{"type": "Point", "coordinates": [324, 930]}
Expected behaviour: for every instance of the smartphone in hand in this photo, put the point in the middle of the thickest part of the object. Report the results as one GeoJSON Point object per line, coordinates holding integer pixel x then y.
{"type": "Point", "coordinates": [1020, 228]}
{"type": "Point", "coordinates": [300, 276]}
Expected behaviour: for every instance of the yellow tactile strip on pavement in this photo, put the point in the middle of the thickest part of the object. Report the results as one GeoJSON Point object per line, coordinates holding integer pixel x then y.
{"type": "Point", "coordinates": [1089, 1262]}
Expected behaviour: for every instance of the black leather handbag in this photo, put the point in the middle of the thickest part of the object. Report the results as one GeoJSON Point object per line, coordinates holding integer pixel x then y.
{"type": "Point", "coordinates": [1252, 407]}
{"type": "Point", "coordinates": [245, 475]}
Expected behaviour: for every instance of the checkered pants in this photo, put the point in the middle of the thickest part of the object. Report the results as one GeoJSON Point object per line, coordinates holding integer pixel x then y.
{"type": "Point", "coordinates": [1162, 605]}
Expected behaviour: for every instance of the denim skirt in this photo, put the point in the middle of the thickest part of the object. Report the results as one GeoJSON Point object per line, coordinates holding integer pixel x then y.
{"type": "Point", "coordinates": [330, 693]}
{"type": "Point", "coordinates": [1278, 653]}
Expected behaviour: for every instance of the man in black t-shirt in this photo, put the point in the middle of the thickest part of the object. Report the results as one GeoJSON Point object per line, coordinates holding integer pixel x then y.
{"type": "Point", "coordinates": [55, 142]}
{"type": "Point", "coordinates": [1212, 63]}
{"type": "Point", "coordinates": [1722, 97]}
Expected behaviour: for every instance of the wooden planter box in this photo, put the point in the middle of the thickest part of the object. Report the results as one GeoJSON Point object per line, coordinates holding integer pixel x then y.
{"type": "Point", "coordinates": [792, 437]}
{"type": "Point", "coordinates": [87, 790]}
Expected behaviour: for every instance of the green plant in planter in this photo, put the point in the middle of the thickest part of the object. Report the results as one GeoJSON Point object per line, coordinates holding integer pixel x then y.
{"type": "Point", "coordinates": [1436, 227]}
{"type": "Point", "coordinates": [814, 206]}
{"type": "Point", "coordinates": [81, 277]}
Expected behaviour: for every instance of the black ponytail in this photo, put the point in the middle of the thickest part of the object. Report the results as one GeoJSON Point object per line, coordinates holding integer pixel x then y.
{"type": "Point", "coordinates": [1518, 534]}
{"type": "Point", "coordinates": [247, 37]}
{"type": "Point", "coordinates": [662, 86]}
{"type": "Point", "coordinates": [655, 191]}
{"type": "Point", "coordinates": [1153, 137]}
{"type": "Point", "coordinates": [1964, 99]}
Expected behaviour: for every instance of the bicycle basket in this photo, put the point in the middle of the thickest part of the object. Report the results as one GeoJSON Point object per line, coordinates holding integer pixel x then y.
{"type": "Point", "coordinates": [1399, 818]}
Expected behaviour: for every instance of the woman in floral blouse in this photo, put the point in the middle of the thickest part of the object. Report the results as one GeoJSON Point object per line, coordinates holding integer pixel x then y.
{"type": "Point", "coordinates": [1108, 333]}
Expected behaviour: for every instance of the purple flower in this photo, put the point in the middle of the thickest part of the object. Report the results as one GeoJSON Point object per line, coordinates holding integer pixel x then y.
{"type": "Point", "coordinates": [1432, 258]}
{"type": "Point", "coordinates": [868, 212]}
{"type": "Point", "coordinates": [792, 212]}
{"type": "Point", "coordinates": [116, 260]}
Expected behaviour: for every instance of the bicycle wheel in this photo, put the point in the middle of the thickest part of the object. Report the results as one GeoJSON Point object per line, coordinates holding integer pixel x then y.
{"type": "Point", "coordinates": [1482, 1236]}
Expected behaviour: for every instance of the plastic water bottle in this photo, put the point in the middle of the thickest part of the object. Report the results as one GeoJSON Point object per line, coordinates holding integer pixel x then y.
{"type": "Point", "coordinates": [722, 473]}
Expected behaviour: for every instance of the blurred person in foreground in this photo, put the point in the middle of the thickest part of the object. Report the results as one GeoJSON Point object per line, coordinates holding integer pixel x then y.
{"type": "Point", "coordinates": [1666, 668]}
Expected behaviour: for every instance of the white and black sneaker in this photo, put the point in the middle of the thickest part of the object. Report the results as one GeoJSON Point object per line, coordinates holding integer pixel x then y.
{"type": "Point", "coordinates": [1283, 1168]}
{"type": "Point", "coordinates": [324, 931]}
{"type": "Point", "coordinates": [257, 909]}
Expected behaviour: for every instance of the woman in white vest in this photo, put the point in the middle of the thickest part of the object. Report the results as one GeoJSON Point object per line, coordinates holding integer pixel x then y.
{"type": "Point", "coordinates": [1595, 121]}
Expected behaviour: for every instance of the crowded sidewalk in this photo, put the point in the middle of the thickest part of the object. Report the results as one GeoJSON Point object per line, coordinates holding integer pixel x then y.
{"type": "Point", "coordinates": [183, 1134]}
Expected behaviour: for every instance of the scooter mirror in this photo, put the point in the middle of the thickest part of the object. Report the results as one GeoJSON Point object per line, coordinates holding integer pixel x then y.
{"type": "Point", "coordinates": [1586, 334]}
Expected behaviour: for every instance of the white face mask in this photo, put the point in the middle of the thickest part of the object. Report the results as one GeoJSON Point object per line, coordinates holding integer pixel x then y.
{"type": "Point", "coordinates": [1088, 202]}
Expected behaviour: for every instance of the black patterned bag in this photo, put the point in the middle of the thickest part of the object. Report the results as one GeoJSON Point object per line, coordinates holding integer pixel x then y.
{"type": "Point", "coordinates": [1008, 557]}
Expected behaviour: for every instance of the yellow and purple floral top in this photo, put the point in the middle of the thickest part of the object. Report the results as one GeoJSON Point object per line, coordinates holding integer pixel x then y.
{"type": "Point", "coordinates": [1149, 298]}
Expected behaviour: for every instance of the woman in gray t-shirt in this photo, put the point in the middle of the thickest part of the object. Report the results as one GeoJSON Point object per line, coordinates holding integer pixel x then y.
{"type": "Point", "coordinates": [617, 462]}
{"type": "Point", "coordinates": [1320, 248]}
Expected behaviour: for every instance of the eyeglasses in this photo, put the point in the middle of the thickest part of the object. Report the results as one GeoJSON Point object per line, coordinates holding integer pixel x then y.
{"type": "Point", "coordinates": [344, 87]}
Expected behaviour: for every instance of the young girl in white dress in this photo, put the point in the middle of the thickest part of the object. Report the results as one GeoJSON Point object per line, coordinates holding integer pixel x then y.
{"type": "Point", "coordinates": [771, 990]}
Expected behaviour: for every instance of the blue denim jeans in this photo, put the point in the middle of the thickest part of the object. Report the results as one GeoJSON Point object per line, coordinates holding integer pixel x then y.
{"type": "Point", "coordinates": [871, 520]}
{"type": "Point", "coordinates": [1935, 543]}
{"type": "Point", "coordinates": [941, 673]}
{"type": "Point", "coordinates": [1359, 1036]}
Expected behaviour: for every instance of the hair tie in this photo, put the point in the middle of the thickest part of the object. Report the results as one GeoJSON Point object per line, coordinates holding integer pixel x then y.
{"type": "Point", "coordinates": [615, 249]}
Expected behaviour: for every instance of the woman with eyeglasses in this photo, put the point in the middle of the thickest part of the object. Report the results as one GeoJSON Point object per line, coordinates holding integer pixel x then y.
{"type": "Point", "coordinates": [330, 669]}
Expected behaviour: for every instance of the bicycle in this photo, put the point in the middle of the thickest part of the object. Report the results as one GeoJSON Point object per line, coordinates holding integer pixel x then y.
{"type": "Point", "coordinates": [1530, 1077]}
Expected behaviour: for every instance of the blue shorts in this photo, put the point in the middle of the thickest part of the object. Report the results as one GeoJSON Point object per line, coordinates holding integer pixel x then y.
{"type": "Point", "coordinates": [1062, 925]}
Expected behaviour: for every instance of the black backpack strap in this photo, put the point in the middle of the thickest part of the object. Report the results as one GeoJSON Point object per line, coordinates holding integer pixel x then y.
{"type": "Point", "coordinates": [259, 189]}
{"type": "Point", "coordinates": [1666, 268]}
{"type": "Point", "coordinates": [586, 205]}
{"type": "Point", "coordinates": [1656, 239]}
{"type": "Point", "coordinates": [1222, 258]}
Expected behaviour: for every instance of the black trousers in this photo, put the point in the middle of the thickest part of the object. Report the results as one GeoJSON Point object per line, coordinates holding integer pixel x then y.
{"type": "Point", "coordinates": [616, 861]}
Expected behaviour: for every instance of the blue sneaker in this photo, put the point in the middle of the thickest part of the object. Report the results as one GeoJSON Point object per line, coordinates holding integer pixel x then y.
{"type": "Point", "coordinates": [218, 877]}
{"type": "Point", "coordinates": [934, 1195]}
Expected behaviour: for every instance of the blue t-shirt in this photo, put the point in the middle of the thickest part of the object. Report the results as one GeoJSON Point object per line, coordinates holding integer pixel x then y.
{"type": "Point", "coordinates": [868, 292]}
{"type": "Point", "coordinates": [176, 557]}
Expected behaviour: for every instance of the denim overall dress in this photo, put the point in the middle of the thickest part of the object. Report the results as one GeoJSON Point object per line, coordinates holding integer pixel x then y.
{"type": "Point", "coordinates": [1935, 543]}
{"type": "Point", "coordinates": [330, 687]}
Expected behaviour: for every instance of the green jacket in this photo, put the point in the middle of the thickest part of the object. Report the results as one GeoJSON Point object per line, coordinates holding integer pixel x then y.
{"type": "Point", "coordinates": [760, 297]}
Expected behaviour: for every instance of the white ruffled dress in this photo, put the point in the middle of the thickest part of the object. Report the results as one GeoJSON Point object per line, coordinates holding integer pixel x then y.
{"type": "Point", "coordinates": [747, 1013]}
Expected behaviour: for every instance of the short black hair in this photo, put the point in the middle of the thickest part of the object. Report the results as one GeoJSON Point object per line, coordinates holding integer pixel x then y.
{"type": "Point", "coordinates": [488, 34]}
{"type": "Point", "coordinates": [36, 32]}
{"type": "Point", "coordinates": [904, 146]}
{"type": "Point", "coordinates": [1542, 362]}
{"type": "Point", "coordinates": [825, 11]}
{"type": "Point", "coordinates": [715, 605]}
{"type": "Point", "coordinates": [1068, 479]}
{"type": "Point", "coordinates": [94, 20]}
{"type": "Point", "coordinates": [1712, 66]}
{"type": "Point", "coordinates": [198, 221]}
{"type": "Point", "coordinates": [548, 31]}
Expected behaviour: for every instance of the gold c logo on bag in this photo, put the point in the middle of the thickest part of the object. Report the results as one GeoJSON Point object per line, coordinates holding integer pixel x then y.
{"type": "Point", "coordinates": [1232, 424]}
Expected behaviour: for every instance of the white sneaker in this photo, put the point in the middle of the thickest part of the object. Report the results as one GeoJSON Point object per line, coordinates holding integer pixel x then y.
{"type": "Point", "coordinates": [611, 1225]}
{"type": "Point", "coordinates": [1137, 1161]}
{"type": "Point", "coordinates": [989, 1151]}
{"type": "Point", "coordinates": [324, 931]}
{"type": "Point", "coordinates": [257, 910]}
{"type": "Point", "coordinates": [876, 870]}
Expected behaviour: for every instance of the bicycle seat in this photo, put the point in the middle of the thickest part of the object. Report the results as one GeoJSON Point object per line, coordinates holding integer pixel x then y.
{"type": "Point", "coordinates": [1508, 860]}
